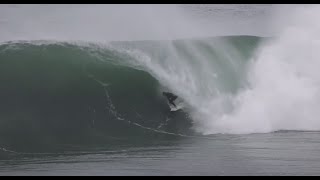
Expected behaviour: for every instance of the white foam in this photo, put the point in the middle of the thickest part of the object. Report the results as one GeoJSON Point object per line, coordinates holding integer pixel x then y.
{"type": "Point", "coordinates": [285, 82]}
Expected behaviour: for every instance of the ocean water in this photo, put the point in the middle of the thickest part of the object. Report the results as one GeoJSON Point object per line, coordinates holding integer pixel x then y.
{"type": "Point", "coordinates": [81, 89]}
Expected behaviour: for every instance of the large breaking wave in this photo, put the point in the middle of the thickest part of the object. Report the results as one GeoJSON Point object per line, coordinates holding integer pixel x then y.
{"type": "Point", "coordinates": [61, 93]}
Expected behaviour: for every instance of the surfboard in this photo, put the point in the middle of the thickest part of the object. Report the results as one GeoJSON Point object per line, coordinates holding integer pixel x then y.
{"type": "Point", "coordinates": [179, 106]}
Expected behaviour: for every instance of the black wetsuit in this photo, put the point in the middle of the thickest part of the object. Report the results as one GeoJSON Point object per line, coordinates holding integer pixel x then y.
{"type": "Point", "coordinates": [171, 97]}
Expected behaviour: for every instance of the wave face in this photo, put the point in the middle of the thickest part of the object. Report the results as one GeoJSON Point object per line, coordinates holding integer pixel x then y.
{"type": "Point", "coordinates": [56, 93]}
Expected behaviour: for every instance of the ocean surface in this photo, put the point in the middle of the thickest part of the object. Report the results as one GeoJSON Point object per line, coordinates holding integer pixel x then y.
{"type": "Point", "coordinates": [81, 90]}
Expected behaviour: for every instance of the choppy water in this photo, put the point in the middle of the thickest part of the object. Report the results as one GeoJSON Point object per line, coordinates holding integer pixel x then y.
{"type": "Point", "coordinates": [283, 153]}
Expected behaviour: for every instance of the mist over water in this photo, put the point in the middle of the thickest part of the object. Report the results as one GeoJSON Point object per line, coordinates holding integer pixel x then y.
{"type": "Point", "coordinates": [116, 22]}
{"type": "Point", "coordinates": [98, 23]}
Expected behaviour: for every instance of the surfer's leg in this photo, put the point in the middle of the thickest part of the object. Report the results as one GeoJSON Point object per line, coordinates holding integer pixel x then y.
{"type": "Point", "coordinates": [173, 103]}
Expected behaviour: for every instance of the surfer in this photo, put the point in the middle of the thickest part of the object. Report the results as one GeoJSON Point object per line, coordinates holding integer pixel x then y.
{"type": "Point", "coordinates": [171, 97]}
